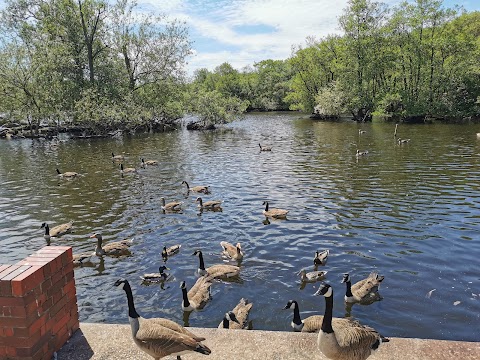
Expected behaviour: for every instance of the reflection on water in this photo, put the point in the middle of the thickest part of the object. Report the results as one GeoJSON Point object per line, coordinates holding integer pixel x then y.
{"type": "Point", "coordinates": [410, 211]}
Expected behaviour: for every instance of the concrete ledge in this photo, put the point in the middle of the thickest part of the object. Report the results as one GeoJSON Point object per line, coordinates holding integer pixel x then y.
{"type": "Point", "coordinates": [100, 341]}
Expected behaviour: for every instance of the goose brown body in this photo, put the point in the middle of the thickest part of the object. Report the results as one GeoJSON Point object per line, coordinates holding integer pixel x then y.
{"type": "Point", "coordinates": [364, 291]}
{"type": "Point", "coordinates": [117, 157]}
{"type": "Point", "coordinates": [198, 296]}
{"type": "Point", "coordinates": [311, 324]}
{"type": "Point", "coordinates": [264, 148]}
{"type": "Point", "coordinates": [312, 276]}
{"type": "Point", "coordinates": [170, 251]}
{"type": "Point", "coordinates": [274, 213]}
{"type": "Point", "coordinates": [160, 337]}
{"type": "Point", "coordinates": [171, 206]}
{"type": "Point", "coordinates": [146, 163]}
{"type": "Point", "coordinates": [241, 311]}
{"type": "Point", "coordinates": [210, 204]}
{"type": "Point", "coordinates": [321, 258]}
{"type": "Point", "coordinates": [219, 271]}
{"type": "Point", "coordinates": [351, 341]}
{"type": "Point", "coordinates": [67, 174]}
{"type": "Point", "coordinates": [58, 230]}
{"type": "Point", "coordinates": [198, 188]}
{"type": "Point", "coordinates": [128, 170]}
{"type": "Point", "coordinates": [118, 248]}
{"type": "Point", "coordinates": [233, 252]}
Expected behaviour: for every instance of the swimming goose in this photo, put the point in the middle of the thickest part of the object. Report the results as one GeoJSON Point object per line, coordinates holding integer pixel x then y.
{"type": "Point", "coordinates": [148, 163]}
{"type": "Point", "coordinates": [352, 341]}
{"type": "Point", "coordinates": [360, 132]}
{"type": "Point", "coordinates": [129, 170]}
{"type": "Point", "coordinates": [361, 153]}
{"type": "Point", "coordinates": [157, 277]}
{"type": "Point", "coordinates": [198, 296]}
{"type": "Point", "coordinates": [160, 337]}
{"type": "Point", "coordinates": [117, 248]}
{"type": "Point", "coordinates": [198, 188]}
{"type": "Point", "coordinates": [171, 206]}
{"type": "Point", "coordinates": [321, 257]}
{"type": "Point", "coordinates": [310, 324]}
{"type": "Point", "coordinates": [265, 148]}
{"type": "Point", "coordinates": [216, 271]}
{"type": "Point", "coordinates": [56, 231]}
{"type": "Point", "coordinates": [215, 205]}
{"type": "Point", "coordinates": [170, 251]}
{"type": "Point", "coordinates": [364, 291]}
{"type": "Point", "coordinates": [274, 213]}
{"type": "Point", "coordinates": [233, 252]}
{"type": "Point", "coordinates": [67, 174]}
{"type": "Point", "coordinates": [402, 141]}
{"type": "Point", "coordinates": [117, 157]}
{"type": "Point", "coordinates": [312, 276]}
{"type": "Point", "coordinates": [240, 313]}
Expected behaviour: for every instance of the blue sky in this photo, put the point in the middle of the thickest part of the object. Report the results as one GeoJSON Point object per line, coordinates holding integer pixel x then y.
{"type": "Point", "coordinates": [242, 32]}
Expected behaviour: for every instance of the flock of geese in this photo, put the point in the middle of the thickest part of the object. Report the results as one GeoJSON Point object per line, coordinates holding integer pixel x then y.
{"type": "Point", "coordinates": [338, 338]}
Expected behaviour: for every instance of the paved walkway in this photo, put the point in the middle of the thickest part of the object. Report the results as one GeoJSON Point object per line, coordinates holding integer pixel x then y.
{"type": "Point", "coordinates": [101, 341]}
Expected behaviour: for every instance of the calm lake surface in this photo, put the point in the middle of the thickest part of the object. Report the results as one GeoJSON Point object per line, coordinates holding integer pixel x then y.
{"type": "Point", "coordinates": [411, 212]}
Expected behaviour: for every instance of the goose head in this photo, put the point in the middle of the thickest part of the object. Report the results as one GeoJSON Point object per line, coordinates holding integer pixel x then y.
{"type": "Point", "coordinates": [324, 290]}
{"type": "Point", "coordinates": [121, 282]}
{"type": "Point", "coordinates": [197, 252]}
{"type": "Point", "coordinates": [230, 316]}
{"type": "Point", "coordinates": [183, 285]}
{"type": "Point", "coordinates": [162, 268]}
{"type": "Point", "coordinates": [346, 278]}
{"type": "Point", "coordinates": [291, 304]}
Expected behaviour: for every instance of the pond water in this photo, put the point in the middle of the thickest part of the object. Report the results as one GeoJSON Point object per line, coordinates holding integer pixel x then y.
{"type": "Point", "coordinates": [410, 212]}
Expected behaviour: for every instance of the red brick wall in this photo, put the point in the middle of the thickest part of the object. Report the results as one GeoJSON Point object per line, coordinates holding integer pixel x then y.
{"type": "Point", "coordinates": [38, 304]}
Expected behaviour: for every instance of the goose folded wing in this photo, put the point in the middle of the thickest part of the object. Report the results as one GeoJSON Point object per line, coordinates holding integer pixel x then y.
{"type": "Point", "coordinates": [164, 341]}
{"type": "Point", "coordinates": [172, 325]}
{"type": "Point", "coordinates": [353, 333]}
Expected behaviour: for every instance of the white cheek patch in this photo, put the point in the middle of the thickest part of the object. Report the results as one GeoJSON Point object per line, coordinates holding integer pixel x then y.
{"type": "Point", "coordinates": [292, 306]}
{"type": "Point", "coordinates": [329, 292]}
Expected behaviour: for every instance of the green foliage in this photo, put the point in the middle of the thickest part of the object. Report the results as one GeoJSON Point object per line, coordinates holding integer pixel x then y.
{"type": "Point", "coordinates": [330, 100]}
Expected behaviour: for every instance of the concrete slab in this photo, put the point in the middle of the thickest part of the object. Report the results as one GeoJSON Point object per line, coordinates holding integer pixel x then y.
{"type": "Point", "coordinates": [101, 341]}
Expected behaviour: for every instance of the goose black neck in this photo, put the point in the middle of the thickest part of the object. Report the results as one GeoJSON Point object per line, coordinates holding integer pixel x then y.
{"type": "Point", "coordinates": [226, 324]}
{"type": "Point", "coordinates": [349, 288]}
{"type": "Point", "coordinates": [131, 306]}
{"type": "Point", "coordinates": [186, 303]}
{"type": "Point", "coordinates": [188, 187]}
{"type": "Point", "coordinates": [266, 205]}
{"type": "Point", "coordinates": [327, 319]}
{"type": "Point", "coordinates": [296, 316]}
{"type": "Point", "coordinates": [47, 230]}
{"type": "Point", "coordinates": [202, 264]}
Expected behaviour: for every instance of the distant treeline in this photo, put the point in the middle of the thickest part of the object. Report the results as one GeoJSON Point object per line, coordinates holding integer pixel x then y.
{"type": "Point", "coordinates": [102, 66]}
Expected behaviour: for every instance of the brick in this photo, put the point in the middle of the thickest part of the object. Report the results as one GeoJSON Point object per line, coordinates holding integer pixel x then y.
{"type": "Point", "coordinates": [9, 332]}
{"type": "Point", "coordinates": [3, 267]}
{"type": "Point", "coordinates": [56, 308]}
{"type": "Point", "coordinates": [47, 304]}
{"type": "Point", "coordinates": [47, 284]}
{"type": "Point", "coordinates": [11, 301]}
{"type": "Point", "coordinates": [5, 288]}
{"type": "Point", "coordinates": [18, 312]}
{"type": "Point", "coordinates": [69, 287]}
{"type": "Point", "coordinates": [38, 323]}
{"type": "Point", "coordinates": [28, 280]}
{"type": "Point", "coordinates": [10, 351]}
{"type": "Point", "coordinates": [20, 332]}
{"type": "Point", "coordinates": [62, 323]}
{"type": "Point", "coordinates": [8, 270]}
{"type": "Point", "coordinates": [56, 287]}
{"type": "Point", "coordinates": [67, 269]}
{"type": "Point", "coordinates": [3, 352]}
{"type": "Point", "coordinates": [21, 269]}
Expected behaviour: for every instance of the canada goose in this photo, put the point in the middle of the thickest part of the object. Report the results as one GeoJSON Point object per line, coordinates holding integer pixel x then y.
{"type": "Point", "coordinates": [364, 291]}
{"type": "Point", "coordinates": [360, 132]}
{"type": "Point", "coordinates": [67, 175]}
{"type": "Point", "coordinates": [83, 258]}
{"type": "Point", "coordinates": [127, 170]}
{"type": "Point", "coordinates": [240, 311]}
{"type": "Point", "coordinates": [233, 252]}
{"type": "Point", "coordinates": [171, 206]}
{"type": "Point", "coordinates": [321, 257]}
{"type": "Point", "coordinates": [353, 341]}
{"type": "Point", "coordinates": [149, 163]}
{"type": "Point", "coordinates": [229, 316]}
{"type": "Point", "coordinates": [56, 231]}
{"type": "Point", "coordinates": [160, 337]}
{"type": "Point", "coordinates": [312, 276]}
{"type": "Point", "coordinates": [402, 141]}
{"type": "Point", "coordinates": [170, 251]}
{"type": "Point", "coordinates": [198, 188]}
{"type": "Point", "coordinates": [198, 296]}
{"type": "Point", "coordinates": [156, 277]}
{"type": "Point", "coordinates": [117, 157]}
{"type": "Point", "coordinates": [361, 153]}
{"type": "Point", "coordinates": [478, 135]}
{"type": "Point", "coordinates": [274, 213]}
{"type": "Point", "coordinates": [117, 248]}
{"type": "Point", "coordinates": [216, 271]}
{"type": "Point", "coordinates": [265, 148]}
{"type": "Point", "coordinates": [214, 205]}
{"type": "Point", "coordinates": [310, 324]}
